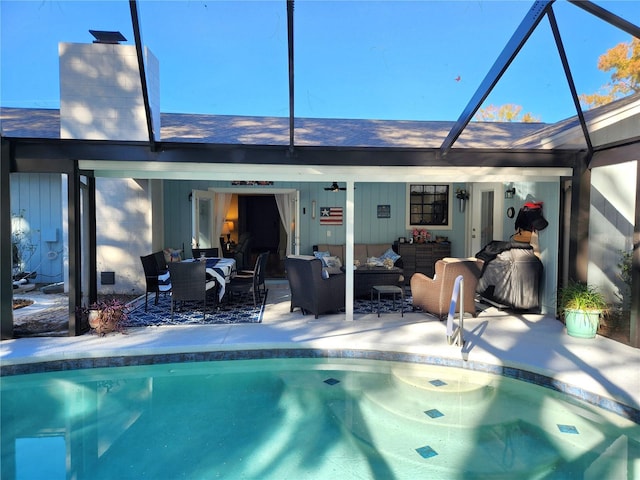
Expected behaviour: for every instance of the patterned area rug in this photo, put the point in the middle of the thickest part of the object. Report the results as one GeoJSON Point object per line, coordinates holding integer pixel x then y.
{"type": "Point", "coordinates": [238, 310]}
{"type": "Point", "coordinates": [364, 305]}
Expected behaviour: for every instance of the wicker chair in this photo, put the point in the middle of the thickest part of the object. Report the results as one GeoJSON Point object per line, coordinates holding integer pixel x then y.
{"type": "Point", "coordinates": [251, 281]}
{"type": "Point", "coordinates": [433, 295]}
{"type": "Point", "coordinates": [309, 290]}
{"type": "Point", "coordinates": [208, 252]}
{"type": "Point", "coordinates": [155, 273]}
{"type": "Point", "coordinates": [189, 283]}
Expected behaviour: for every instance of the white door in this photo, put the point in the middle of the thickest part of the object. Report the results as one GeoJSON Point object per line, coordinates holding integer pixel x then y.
{"type": "Point", "coordinates": [202, 235]}
{"type": "Point", "coordinates": [486, 215]}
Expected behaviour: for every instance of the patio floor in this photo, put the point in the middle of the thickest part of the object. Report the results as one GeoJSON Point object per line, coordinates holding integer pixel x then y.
{"type": "Point", "coordinates": [530, 342]}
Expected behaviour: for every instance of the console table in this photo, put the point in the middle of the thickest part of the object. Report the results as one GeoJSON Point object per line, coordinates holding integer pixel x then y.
{"type": "Point", "coordinates": [422, 257]}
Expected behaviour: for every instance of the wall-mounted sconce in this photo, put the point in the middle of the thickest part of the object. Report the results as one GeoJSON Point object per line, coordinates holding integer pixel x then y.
{"type": "Point", "coordinates": [510, 192]}
{"type": "Point", "coordinates": [190, 196]}
{"type": "Point", "coordinates": [313, 209]}
{"type": "Point", "coordinates": [462, 195]}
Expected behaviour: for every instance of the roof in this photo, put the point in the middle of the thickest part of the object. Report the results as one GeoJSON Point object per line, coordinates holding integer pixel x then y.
{"type": "Point", "coordinates": [252, 130]}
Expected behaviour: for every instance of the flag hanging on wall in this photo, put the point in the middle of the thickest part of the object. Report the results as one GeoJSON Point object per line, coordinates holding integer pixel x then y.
{"type": "Point", "coordinates": [330, 215]}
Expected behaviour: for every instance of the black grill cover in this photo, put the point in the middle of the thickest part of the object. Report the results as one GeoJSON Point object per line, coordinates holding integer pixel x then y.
{"type": "Point", "coordinates": [511, 275]}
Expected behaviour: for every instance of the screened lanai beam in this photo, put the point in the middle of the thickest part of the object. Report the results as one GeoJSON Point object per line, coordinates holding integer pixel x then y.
{"type": "Point", "coordinates": [608, 17]}
{"type": "Point", "coordinates": [133, 6]}
{"type": "Point", "coordinates": [290, 5]}
{"type": "Point", "coordinates": [510, 51]}
{"type": "Point", "coordinates": [572, 86]}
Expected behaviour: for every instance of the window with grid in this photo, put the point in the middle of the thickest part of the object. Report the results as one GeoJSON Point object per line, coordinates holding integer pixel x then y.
{"type": "Point", "coordinates": [428, 205]}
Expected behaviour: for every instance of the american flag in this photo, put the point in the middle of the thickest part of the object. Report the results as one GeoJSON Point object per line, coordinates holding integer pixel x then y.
{"type": "Point", "coordinates": [330, 215]}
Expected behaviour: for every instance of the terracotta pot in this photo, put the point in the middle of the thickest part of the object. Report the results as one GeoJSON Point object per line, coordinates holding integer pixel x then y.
{"type": "Point", "coordinates": [94, 318]}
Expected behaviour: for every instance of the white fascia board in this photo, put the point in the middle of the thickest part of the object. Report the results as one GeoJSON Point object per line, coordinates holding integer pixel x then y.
{"type": "Point", "coordinates": [317, 173]}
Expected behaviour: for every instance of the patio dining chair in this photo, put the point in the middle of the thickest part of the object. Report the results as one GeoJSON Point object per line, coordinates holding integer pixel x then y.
{"type": "Point", "coordinates": [251, 281]}
{"type": "Point", "coordinates": [208, 252]}
{"type": "Point", "coordinates": [189, 284]}
{"type": "Point", "coordinates": [156, 275]}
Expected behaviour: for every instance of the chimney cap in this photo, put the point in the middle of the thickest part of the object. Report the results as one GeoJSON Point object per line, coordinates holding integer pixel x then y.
{"type": "Point", "coordinates": [102, 36]}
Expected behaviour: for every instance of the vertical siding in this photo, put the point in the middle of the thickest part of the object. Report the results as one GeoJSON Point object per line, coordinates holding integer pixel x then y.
{"type": "Point", "coordinates": [368, 227]}
{"type": "Point", "coordinates": [38, 197]}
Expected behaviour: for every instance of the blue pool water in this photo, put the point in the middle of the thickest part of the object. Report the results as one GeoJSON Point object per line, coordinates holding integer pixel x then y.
{"type": "Point", "coordinates": [304, 419]}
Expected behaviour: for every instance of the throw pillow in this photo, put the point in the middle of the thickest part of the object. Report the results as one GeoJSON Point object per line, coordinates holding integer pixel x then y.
{"type": "Point", "coordinates": [320, 255]}
{"type": "Point", "coordinates": [172, 255]}
{"type": "Point", "coordinates": [390, 254]}
{"type": "Point", "coordinates": [374, 261]}
{"type": "Point", "coordinates": [333, 264]}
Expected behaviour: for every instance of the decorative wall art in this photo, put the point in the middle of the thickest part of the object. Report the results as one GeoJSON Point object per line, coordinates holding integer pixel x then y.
{"type": "Point", "coordinates": [384, 211]}
{"type": "Point", "coordinates": [330, 215]}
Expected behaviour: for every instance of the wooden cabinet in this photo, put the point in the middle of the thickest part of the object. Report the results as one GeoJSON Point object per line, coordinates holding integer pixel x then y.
{"type": "Point", "coordinates": [422, 257]}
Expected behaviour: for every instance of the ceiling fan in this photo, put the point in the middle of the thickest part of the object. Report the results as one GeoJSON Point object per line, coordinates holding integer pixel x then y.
{"type": "Point", "coordinates": [334, 187]}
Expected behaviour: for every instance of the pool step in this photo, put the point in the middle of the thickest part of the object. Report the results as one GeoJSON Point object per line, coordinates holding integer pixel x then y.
{"type": "Point", "coordinates": [502, 450]}
{"type": "Point", "coordinates": [469, 387]}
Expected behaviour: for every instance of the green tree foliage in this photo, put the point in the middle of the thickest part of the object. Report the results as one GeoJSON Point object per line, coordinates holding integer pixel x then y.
{"type": "Point", "coordinates": [623, 61]}
{"type": "Point", "coordinates": [504, 113]}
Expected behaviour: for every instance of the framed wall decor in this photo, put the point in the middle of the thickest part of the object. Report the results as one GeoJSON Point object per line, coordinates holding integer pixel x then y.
{"type": "Point", "coordinates": [384, 211]}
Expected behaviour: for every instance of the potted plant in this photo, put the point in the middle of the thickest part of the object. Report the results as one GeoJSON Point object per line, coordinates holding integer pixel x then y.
{"type": "Point", "coordinates": [106, 316]}
{"type": "Point", "coordinates": [582, 305]}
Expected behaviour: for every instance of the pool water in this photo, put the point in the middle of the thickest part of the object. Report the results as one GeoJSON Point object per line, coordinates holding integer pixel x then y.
{"type": "Point", "coordinates": [304, 419]}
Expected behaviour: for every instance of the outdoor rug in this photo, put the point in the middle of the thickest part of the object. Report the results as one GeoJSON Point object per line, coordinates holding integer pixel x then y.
{"type": "Point", "coordinates": [239, 310]}
{"type": "Point", "coordinates": [364, 305]}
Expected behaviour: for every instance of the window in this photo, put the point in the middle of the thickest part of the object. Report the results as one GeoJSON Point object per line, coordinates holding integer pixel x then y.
{"type": "Point", "coordinates": [428, 205]}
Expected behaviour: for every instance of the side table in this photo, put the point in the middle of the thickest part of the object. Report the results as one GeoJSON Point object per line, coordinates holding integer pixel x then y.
{"type": "Point", "coordinates": [389, 290]}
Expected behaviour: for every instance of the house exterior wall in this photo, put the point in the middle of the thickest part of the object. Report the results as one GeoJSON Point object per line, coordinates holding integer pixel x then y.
{"type": "Point", "coordinates": [38, 199]}
{"type": "Point", "coordinates": [368, 228]}
{"type": "Point", "coordinates": [123, 232]}
{"type": "Point", "coordinates": [101, 94]}
{"type": "Point", "coordinates": [612, 213]}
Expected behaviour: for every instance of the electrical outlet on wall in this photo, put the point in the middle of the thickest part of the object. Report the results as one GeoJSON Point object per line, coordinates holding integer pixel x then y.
{"type": "Point", "coordinates": [328, 233]}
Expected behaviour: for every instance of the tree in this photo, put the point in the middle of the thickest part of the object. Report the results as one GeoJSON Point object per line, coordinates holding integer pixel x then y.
{"type": "Point", "coordinates": [508, 112]}
{"type": "Point", "coordinates": [623, 60]}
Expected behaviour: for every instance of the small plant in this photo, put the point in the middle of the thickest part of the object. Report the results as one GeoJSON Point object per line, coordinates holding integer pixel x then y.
{"type": "Point", "coordinates": [580, 296]}
{"type": "Point", "coordinates": [105, 316]}
{"type": "Point", "coordinates": [581, 305]}
{"type": "Point", "coordinates": [462, 194]}
{"type": "Point", "coordinates": [22, 246]}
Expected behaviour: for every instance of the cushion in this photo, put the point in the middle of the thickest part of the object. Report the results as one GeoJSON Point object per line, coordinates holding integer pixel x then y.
{"type": "Point", "coordinates": [375, 261]}
{"type": "Point", "coordinates": [172, 255]}
{"type": "Point", "coordinates": [390, 254]}
{"type": "Point", "coordinates": [333, 264]}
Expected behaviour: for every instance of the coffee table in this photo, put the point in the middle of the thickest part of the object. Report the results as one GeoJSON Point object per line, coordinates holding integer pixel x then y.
{"type": "Point", "coordinates": [365, 277]}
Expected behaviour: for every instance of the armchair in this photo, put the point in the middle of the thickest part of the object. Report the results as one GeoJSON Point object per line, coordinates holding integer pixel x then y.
{"type": "Point", "coordinates": [309, 290]}
{"type": "Point", "coordinates": [433, 295]}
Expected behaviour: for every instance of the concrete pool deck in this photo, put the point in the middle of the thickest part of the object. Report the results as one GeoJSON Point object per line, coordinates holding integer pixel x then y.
{"type": "Point", "coordinates": [605, 368]}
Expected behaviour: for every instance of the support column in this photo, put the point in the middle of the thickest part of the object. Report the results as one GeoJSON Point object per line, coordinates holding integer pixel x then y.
{"type": "Point", "coordinates": [6, 278]}
{"type": "Point", "coordinates": [75, 274]}
{"type": "Point", "coordinates": [634, 314]}
{"type": "Point", "coordinates": [579, 228]}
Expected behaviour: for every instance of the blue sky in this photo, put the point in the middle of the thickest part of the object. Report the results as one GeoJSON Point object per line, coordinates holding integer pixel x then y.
{"type": "Point", "coordinates": [416, 60]}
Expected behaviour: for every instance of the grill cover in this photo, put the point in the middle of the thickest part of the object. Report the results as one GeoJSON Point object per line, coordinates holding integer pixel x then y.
{"type": "Point", "coordinates": [511, 275]}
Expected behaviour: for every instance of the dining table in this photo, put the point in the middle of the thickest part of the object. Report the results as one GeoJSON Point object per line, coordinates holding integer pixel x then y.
{"type": "Point", "coordinates": [221, 269]}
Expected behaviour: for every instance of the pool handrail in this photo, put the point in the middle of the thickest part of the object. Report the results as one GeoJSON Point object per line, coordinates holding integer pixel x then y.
{"type": "Point", "coordinates": [456, 334]}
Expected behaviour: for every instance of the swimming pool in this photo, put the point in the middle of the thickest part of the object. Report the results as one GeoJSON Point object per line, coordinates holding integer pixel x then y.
{"type": "Point", "coordinates": [311, 418]}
